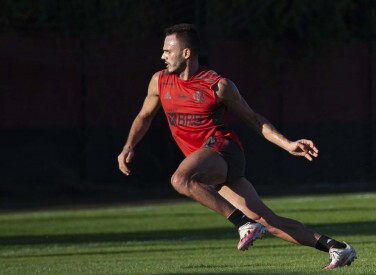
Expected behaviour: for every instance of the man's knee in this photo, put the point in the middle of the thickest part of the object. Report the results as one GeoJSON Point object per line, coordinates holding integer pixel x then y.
{"type": "Point", "coordinates": [181, 183]}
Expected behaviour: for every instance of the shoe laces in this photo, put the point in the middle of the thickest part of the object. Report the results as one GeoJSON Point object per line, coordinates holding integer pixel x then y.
{"type": "Point", "coordinates": [246, 229]}
{"type": "Point", "coordinates": [333, 255]}
{"type": "Point", "coordinates": [336, 254]}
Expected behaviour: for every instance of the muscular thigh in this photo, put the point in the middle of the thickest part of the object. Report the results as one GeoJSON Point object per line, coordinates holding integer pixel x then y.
{"type": "Point", "coordinates": [204, 166]}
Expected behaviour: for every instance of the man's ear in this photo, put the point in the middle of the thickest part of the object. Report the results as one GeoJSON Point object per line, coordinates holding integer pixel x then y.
{"type": "Point", "coordinates": [187, 53]}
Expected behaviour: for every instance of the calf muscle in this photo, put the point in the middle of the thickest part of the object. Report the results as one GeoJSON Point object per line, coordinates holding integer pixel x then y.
{"type": "Point", "coordinates": [243, 196]}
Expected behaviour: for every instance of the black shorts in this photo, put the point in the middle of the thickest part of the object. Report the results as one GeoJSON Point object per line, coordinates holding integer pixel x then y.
{"type": "Point", "coordinates": [232, 154]}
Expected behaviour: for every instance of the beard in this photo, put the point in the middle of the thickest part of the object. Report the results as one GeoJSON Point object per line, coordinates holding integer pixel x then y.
{"type": "Point", "coordinates": [178, 69]}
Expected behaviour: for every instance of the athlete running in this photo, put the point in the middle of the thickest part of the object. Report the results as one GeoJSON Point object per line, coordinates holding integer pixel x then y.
{"type": "Point", "coordinates": [195, 101]}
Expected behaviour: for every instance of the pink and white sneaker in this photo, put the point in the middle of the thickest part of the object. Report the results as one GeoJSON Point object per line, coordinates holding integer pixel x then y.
{"type": "Point", "coordinates": [249, 232]}
{"type": "Point", "coordinates": [341, 256]}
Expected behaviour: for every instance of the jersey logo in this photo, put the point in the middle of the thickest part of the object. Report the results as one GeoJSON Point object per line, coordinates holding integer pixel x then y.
{"type": "Point", "coordinates": [184, 119]}
{"type": "Point", "coordinates": [198, 96]}
{"type": "Point", "coordinates": [167, 95]}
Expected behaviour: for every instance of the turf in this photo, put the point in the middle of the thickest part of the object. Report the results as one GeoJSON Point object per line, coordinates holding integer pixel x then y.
{"type": "Point", "coordinates": [181, 238]}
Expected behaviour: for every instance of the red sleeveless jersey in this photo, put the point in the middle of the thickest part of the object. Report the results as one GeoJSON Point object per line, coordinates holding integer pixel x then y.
{"type": "Point", "coordinates": [192, 109]}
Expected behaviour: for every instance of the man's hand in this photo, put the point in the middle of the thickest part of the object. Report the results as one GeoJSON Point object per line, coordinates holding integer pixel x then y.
{"type": "Point", "coordinates": [303, 148]}
{"type": "Point", "coordinates": [124, 158]}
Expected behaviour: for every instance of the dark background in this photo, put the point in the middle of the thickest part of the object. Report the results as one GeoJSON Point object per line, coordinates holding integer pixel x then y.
{"type": "Point", "coordinates": [73, 75]}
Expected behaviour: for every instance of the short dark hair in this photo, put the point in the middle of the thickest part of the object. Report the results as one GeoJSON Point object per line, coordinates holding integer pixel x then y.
{"type": "Point", "coordinates": [187, 35]}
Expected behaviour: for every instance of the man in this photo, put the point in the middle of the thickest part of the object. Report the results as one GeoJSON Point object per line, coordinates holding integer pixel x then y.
{"type": "Point", "coordinates": [195, 101]}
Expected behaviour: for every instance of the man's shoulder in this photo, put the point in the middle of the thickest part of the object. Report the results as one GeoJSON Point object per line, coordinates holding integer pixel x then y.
{"type": "Point", "coordinates": [208, 75]}
{"type": "Point", "coordinates": [158, 74]}
{"type": "Point", "coordinates": [162, 72]}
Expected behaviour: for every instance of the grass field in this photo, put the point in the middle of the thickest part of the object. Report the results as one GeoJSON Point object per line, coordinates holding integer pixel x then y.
{"type": "Point", "coordinates": [181, 238]}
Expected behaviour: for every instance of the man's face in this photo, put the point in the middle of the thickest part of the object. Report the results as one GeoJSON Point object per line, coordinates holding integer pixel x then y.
{"type": "Point", "coordinates": [173, 55]}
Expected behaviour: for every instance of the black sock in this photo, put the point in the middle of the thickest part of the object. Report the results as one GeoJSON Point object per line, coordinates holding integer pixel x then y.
{"type": "Point", "coordinates": [238, 218]}
{"type": "Point", "coordinates": [325, 243]}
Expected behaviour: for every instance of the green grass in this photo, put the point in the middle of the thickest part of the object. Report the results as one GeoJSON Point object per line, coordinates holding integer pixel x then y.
{"type": "Point", "coordinates": [181, 238]}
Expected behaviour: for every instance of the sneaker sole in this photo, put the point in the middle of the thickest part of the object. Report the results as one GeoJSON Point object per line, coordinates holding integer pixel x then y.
{"type": "Point", "coordinates": [348, 262]}
{"type": "Point", "coordinates": [248, 242]}
{"type": "Point", "coordinates": [351, 259]}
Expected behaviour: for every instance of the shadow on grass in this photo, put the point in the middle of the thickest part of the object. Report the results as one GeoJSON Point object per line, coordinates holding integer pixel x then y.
{"type": "Point", "coordinates": [254, 272]}
{"type": "Point", "coordinates": [120, 251]}
{"type": "Point", "coordinates": [325, 210]}
{"type": "Point", "coordinates": [355, 228]}
{"type": "Point", "coordinates": [250, 272]}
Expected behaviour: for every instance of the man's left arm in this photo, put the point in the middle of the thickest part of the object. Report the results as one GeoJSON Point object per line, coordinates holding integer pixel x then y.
{"type": "Point", "coordinates": [229, 94]}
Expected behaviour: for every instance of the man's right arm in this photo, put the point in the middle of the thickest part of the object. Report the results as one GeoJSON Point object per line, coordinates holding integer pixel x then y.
{"type": "Point", "coordinates": [228, 93]}
{"type": "Point", "coordinates": [140, 125]}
